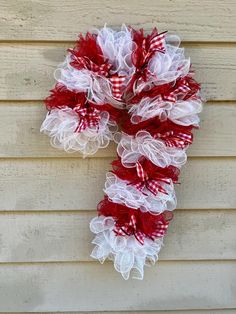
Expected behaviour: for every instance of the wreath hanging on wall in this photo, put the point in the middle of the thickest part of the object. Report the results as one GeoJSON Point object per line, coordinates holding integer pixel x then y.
{"type": "Point", "coordinates": [139, 91]}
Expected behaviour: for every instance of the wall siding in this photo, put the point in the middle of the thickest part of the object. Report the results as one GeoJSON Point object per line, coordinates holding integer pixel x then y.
{"type": "Point", "coordinates": [27, 69]}
{"type": "Point", "coordinates": [45, 198]}
{"type": "Point", "coordinates": [20, 137]}
{"type": "Point", "coordinates": [65, 236]}
{"type": "Point", "coordinates": [82, 286]}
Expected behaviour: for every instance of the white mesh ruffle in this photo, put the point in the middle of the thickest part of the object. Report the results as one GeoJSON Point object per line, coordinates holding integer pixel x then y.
{"type": "Point", "coordinates": [182, 112]}
{"type": "Point", "coordinates": [132, 148]}
{"type": "Point", "coordinates": [73, 79]}
{"type": "Point", "coordinates": [119, 191]}
{"type": "Point", "coordinates": [167, 67]}
{"type": "Point", "coordinates": [149, 108]}
{"type": "Point", "coordinates": [98, 88]}
{"type": "Point", "coordinates": [117, 47]}
{"type": "Point", "coordinates": [60, 125]}
{"type": "Point", "coordinates": [186, 112]}
{"type": "Point", "coordinates": [126, 252]}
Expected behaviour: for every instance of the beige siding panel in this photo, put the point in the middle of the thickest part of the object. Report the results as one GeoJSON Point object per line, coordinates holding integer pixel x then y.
{"type": "Point", "coordinates": [48, 197]}
{"type": "Point", "coordinates": [44, 237]}
{"type": "Point", "coordinates": [91, 286]}
{"type": "Point", "coordinates": [20, 136]}
{"type": "Point", "coordinates": [215, 311]}
{"type": "Point", "coordinates": [55, 20]}
{"type": "Point", "coordinates": [27, 70]}
{"type": "Point", "coordinates": [71, 184]}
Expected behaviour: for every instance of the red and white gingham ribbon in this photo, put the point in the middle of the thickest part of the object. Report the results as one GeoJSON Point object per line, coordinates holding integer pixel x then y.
{"type": "Point", "coordinates": [183, 89]}
{"type": "Point", "coordinates": [161, 229]}
{"type": "Point", "coordinates": [151, 184]}
{"type": "Point", "coordinates": [89, 117]}
{"type": "Point", "coordinates": [175, 138]}
{"type": "Point", "coordinates": [86, 63]}
{"type": "Point", "coordinates": [117, 82]}
{"type": "Point", "coordinates": [130, 228]}
{"type": "Point", "coordinates": [103, 70]}
{"type": "Point", "coordinates": [157, 43]}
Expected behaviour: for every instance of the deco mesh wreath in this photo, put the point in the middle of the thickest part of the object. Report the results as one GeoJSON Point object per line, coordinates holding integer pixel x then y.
{"type": "Point", "coordinates": [143, 84]}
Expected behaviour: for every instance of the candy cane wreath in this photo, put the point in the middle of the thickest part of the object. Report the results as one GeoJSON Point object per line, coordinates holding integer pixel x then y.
{"type": "Point", "coordinates": [144, 85]}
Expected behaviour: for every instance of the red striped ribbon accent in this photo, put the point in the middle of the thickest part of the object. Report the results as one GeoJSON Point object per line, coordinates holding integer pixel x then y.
{"type": "Point", "coordinates": [89, 117]}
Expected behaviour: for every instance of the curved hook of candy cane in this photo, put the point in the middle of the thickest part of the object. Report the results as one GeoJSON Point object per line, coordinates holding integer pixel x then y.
{"type": "Point", "coordinates": [85, 105]}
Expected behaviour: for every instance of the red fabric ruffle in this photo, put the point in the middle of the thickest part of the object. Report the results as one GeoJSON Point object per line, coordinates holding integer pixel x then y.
{"type": "Point", "coordinates": [160, 129]}
{"type": "Point", "coordinates": [153, 172]}
{"type": "Point", "coordinates": [87, 47]}
{"type": "Point", "coordinates": [62, 97]}
{"type": "Point", "coordinates": [146, 223]}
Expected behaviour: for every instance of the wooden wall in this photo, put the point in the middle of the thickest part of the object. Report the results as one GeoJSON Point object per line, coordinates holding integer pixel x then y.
{"type": "Point", "coordinates": [45, 195]}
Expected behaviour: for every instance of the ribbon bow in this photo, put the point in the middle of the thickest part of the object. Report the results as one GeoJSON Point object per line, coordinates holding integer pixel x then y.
{"type": "Point", "coordinates": [85, 63]}
{"type": "Point", "coordinates": [129, 229]}
{"type": "Point", "coordinates": [102, 70]}
{"type": "Point", "coordinates": [89, 117]}
{"type": "Point", "coordinates": [157, 43]}
{"type": "Point", "coordinates": [176, 138]}
{"type": "Point", "coordinates": [182, 89]}
{"type": "Point", "coordinates": [151, 184]}
{"type": "Point", "coordinates": [142, 56]}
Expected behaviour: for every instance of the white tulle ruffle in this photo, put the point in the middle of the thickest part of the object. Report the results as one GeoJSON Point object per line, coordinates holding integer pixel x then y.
{"type": "Point", "coordinates": [126, 252]}
{"type": "Point", "coordinates": [98, 88]}
{"type": "Point", "coordinates": [73, 79]}
{"type": "Point", "coordinates": [117, 47]}
{"type": "Point", "coordinates": [172, 64]}
{"type": "Point", "coordinates": [182, 112]}
{"type": "Point", "coordinates": [166, 67]}
{"type": "Point", "coordinates": [60, 125]}
{"type": "Point", "coordinates": [121, 192]}
{"type": "Point", "coordinates": [186, 112]}
{"type": "Point", "coordinates": [132, 148]}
